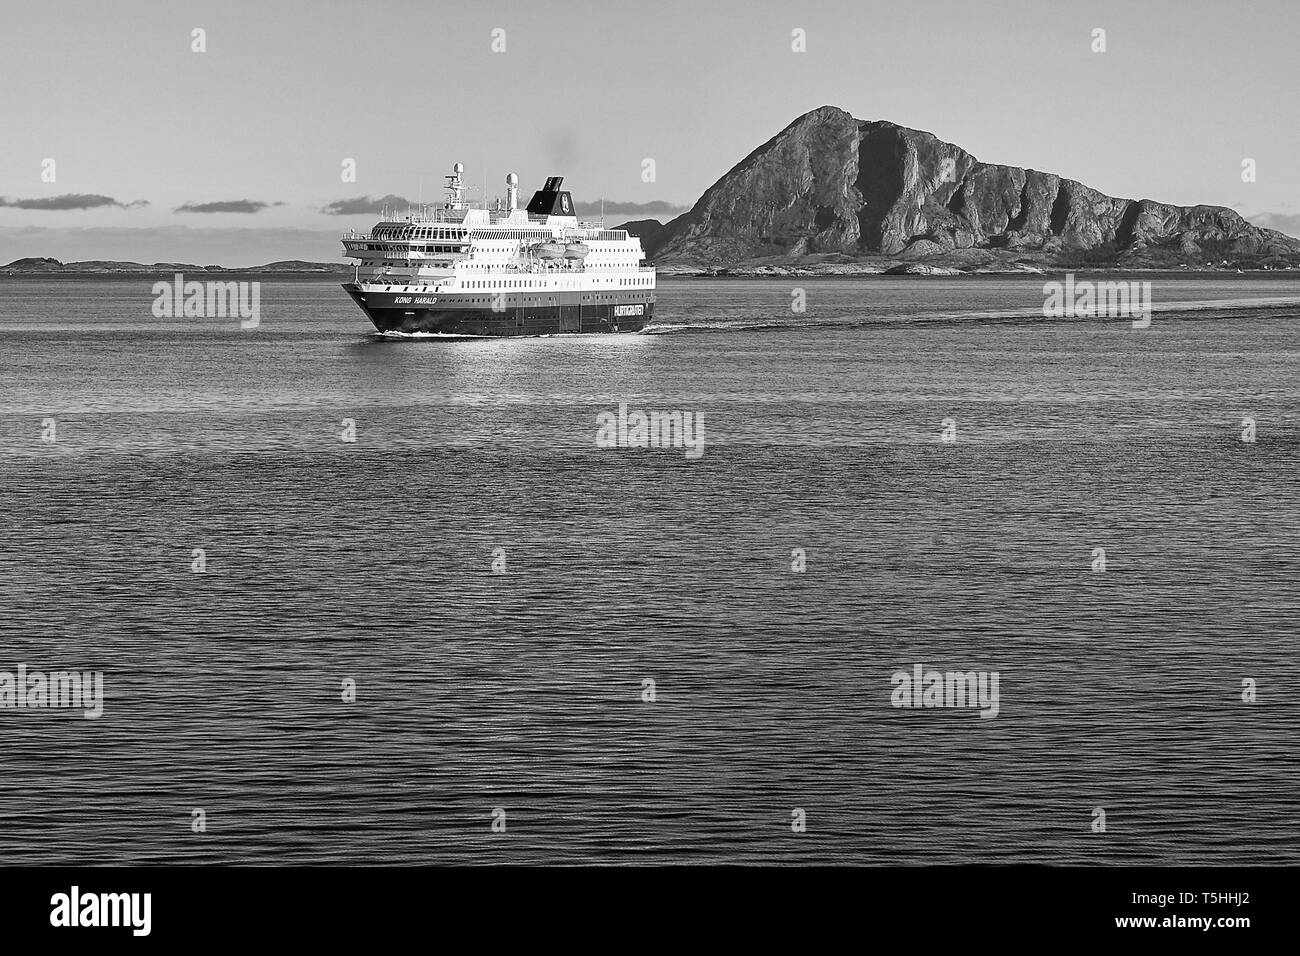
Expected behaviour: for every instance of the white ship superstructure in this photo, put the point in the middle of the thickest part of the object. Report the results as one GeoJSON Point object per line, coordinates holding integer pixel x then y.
{"type": "Point", "coordinates": [461, 270]}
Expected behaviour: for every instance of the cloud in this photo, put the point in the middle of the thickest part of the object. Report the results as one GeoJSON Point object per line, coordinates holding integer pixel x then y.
{"type": "Point", "coordinates": [643, 209]}
{"type": "Point", "coordinates": [71, 201]}
{"type": "Point", "coordinates": [1288, 223]}
{"type": "Point", "coordinates": [364, 205]}
{"type": "Point", "coordinates": [230, 205]}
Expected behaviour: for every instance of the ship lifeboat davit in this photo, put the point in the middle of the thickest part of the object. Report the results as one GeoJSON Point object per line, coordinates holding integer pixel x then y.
{"type": "Point", "coordinates": [576, 250]}
{"type": "Point", "coordinates": [550, 250]}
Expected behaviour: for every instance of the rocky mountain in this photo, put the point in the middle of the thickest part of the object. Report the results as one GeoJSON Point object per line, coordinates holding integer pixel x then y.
{"type": "Point", "coordinates": [832, 188]}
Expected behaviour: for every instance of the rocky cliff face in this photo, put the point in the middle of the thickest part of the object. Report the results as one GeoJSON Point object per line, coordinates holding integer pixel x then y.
{"type": "Point", "coordinates": [832, 184]}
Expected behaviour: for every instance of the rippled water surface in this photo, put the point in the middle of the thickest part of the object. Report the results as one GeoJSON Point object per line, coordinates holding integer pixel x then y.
{"type": "Point", "coordinates": [372, 561]}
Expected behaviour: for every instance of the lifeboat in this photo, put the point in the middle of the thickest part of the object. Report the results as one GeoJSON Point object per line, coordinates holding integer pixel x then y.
{"type": "Point", "coordinates": [550, 250]}
{"type": "Point", "coordinates": [576, 250]}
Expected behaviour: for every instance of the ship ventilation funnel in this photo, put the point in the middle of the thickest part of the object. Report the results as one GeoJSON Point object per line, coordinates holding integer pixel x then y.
{"type": "Point", "coordinates": [512, 192]}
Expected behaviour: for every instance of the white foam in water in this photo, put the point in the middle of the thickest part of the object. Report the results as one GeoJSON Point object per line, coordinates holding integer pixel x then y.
{"type": "Point", "coordinates": [430, 335]}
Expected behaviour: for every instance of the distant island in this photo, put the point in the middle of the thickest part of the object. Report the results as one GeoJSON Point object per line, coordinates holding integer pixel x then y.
{"type": "Point", "coordinates": [835, 194]}
{"type": "Point", "coordinates": [53, 268]}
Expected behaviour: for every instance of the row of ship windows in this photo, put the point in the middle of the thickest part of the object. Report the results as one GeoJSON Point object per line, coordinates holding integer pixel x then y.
{"type": "Point", "coordinates": [537, 299]}
{"type": "Point", "coordinates": [430, 232]}
{"type": "Point", "coordinates": [544, 283]}
{"type": "Point", "coordinates": [513, 234]}
{"type": "Point", "coordinates": [423, 233]}
{"type": "Point", "coordinates": [605, 235]}
{"type": "Point", "coordinates": [630, 264]}
{"type": "Point", "coordinates": [403, 250]}
{"type": "Point", "coordinates": [526, 283]}
{"type": "Point", "coordinates": [624, 264]}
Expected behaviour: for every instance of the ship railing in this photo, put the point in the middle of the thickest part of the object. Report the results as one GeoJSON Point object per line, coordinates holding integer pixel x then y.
{"type": "Point", "coordinates": [596, 232]}
{"type": "Point", "coordinates": [405, 246]}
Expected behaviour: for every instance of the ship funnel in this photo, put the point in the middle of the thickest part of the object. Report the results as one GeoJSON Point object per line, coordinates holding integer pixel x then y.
{"type": "Point", "coordinates": [512, 192]}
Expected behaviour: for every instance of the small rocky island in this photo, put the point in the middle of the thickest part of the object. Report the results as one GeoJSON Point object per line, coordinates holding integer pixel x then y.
{"type": "Point", "coordinates": [834, 194]}
{"type": "Point", "coordinates": [48, 268]}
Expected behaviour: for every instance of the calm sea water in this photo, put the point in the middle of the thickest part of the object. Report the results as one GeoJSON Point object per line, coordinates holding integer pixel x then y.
{"type": "Point", "coordinates": [371, 561]}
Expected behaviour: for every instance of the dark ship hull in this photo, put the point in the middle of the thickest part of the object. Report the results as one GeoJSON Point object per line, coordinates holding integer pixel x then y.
{"type": "Point", "coordinates": [524, 314]}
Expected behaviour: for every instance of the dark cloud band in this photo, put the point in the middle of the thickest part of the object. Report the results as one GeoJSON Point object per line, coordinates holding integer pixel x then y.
{"type": "Point", "coordinates": [232, 205]}
{"type": "Point", "coordinates": [365, 206]}
{"type": "Point", "coordinates": [71, 201]}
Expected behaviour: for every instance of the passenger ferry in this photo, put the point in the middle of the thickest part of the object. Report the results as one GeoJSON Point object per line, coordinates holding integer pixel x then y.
{"type": "Point", "coordinates": [464, 271]}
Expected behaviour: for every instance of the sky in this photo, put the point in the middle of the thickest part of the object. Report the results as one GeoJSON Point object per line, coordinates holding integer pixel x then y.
{"type": "Point", "coordinates": [236, 155]}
